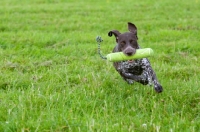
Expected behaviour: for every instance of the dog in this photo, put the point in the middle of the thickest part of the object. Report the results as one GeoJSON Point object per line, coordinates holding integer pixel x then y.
{"type": "Point", "coordinates": [138, 70]}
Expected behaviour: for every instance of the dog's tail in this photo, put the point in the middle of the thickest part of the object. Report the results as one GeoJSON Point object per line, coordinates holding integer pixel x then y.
{"type": "Point", "coordinates": [99, 40]}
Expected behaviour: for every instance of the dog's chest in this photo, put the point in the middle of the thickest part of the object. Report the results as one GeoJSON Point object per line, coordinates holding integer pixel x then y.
{"type": "Point", "coordinates": [136, 67]}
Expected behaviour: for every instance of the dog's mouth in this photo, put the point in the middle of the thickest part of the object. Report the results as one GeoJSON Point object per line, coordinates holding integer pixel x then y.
{"type": "Point", "coordinates": [130, 61]}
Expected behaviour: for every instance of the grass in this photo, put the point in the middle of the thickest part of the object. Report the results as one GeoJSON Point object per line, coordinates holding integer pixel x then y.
{"type": "Point", "coordinates": [52, 78]}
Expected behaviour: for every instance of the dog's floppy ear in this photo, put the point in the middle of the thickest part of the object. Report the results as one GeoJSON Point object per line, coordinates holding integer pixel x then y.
{"type": "Point", "coordinates": [132, 28]}
{"type": "Point", "coordinates": [115, 32]}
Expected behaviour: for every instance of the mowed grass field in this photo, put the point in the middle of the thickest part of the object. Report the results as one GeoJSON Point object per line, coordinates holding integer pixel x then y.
{"type": "Point", "coordinates": [52, 79]}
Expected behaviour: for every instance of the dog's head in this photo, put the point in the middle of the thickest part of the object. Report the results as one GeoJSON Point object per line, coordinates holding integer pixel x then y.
{"type": "Point", "coordinates": [126, 42]}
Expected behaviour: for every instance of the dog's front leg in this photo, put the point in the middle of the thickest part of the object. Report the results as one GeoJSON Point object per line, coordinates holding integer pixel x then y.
{"type": "Point", "coordinates": [144, 80]}
{"type": "Point", "coordinates": [157, 85]}
{"type": "Point", "coordinates": [137, 78]}
{"type": "Point", "coordinates": [151, 75]}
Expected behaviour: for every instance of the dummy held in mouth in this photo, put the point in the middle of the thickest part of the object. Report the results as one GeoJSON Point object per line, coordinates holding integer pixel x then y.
{"type": "Point", "coordinates": [120, 56]}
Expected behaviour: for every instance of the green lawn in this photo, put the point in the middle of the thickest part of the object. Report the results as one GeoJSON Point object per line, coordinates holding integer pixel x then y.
{"type": "Point", "coordinates": [52, 79]}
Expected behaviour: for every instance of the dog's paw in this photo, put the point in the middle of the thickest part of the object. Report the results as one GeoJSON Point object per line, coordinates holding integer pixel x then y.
{"type": "Point", "coordinates": [129, 81]}
{"type": "Point", "coordinates": [158, 88]}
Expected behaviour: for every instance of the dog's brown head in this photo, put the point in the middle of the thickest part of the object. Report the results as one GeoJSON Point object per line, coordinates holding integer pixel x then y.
{"type": "Point", "coordinates": [126, 42]}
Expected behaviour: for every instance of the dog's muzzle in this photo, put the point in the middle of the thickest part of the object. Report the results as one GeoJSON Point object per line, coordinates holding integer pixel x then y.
{"type": "Point", "coordinates": [129, 51]}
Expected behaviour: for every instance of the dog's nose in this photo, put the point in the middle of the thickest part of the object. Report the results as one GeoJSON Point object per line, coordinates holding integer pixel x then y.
{"type": "Point", "coordinates": [129, 53]}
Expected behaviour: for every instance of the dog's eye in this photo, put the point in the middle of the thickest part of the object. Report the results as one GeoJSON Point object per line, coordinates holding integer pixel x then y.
{"type": "Point", "coordinates": [132, 41]}
{"type": "Point", "coordinates": [122, 43]}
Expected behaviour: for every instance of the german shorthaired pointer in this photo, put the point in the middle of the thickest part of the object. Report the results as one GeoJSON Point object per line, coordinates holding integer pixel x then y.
{"type": "Point", "coordinates": [138, 70]}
